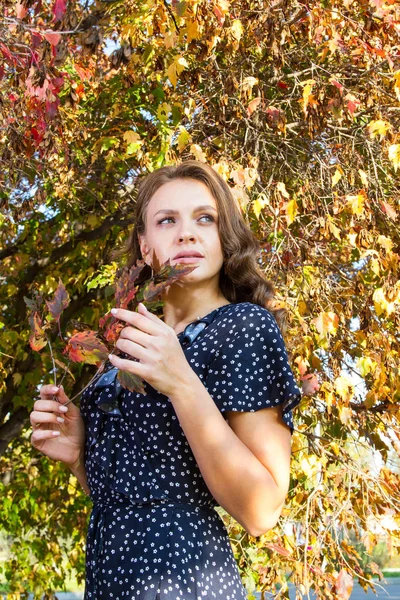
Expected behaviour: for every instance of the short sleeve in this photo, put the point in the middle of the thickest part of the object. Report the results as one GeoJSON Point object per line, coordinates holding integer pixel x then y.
{"type": "Point", "coordinates": [250, 370]}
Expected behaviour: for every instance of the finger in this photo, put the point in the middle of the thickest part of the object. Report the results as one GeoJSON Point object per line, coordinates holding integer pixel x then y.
{"type": "Point", "coordinates": [141, 321]}
{"type": "Point", "coordinates": [38, 418]}
{"type": "Point", "coordinates": [62, 396]}
{"type": "Point", "coordinates": [135, 335]}
{"type": "Point", "coordinates": [49, 406]}
{"type": "Point", "coordinates": [48, 391]}
{"type": "Point", "coordinates": [132, 349]}
{"type": "Point", "coordinates": [43, 434]}
{"type": "Point", "coordinates": [131, 366]}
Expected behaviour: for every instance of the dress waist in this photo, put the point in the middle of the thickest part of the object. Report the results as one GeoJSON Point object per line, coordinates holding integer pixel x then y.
{"type": "Point", "coordinates": [156, 503]}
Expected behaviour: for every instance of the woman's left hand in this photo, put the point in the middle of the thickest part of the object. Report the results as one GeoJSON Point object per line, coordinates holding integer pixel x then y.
{"type": "Point", "coordinates": [147, 338]}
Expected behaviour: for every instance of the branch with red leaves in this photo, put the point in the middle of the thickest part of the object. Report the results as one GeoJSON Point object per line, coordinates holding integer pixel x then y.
{"type": "Point", "coordinates": [93, 347]}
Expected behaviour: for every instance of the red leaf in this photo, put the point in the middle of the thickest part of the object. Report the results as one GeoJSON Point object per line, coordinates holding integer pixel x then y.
{"type": "Point", "coordinates": [279, 549]}
{"type": "Point", "coordinates": [309, 384]}
{"type": "Point", "coordinates": [282, 85]}
{"type": "Point", "coordinates": [59, 302]}
{"type": "Point", "coordinates": [131, 382]}
{"type": "Point", "coordinates": [20, 10]}
{"type": "Point", "coordinates": [344, 585]}
{"type": "Point", "coordinates": [352, 103]}
{"type": "Point", "coordinates": [125, 289]}
{"type": "Point", "coordinates": [59, 9]}
{"type": "Point", "coordinates": [85, 346]}
{"type": "Point", "coordinates": [52, 37]}
{"type": "Point", "coordinates": [166, 277]}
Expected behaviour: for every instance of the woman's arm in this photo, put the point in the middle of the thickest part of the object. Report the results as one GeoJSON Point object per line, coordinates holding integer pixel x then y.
{"type": "Point", "coordinates": [245, 463]}
{"type": "Point", "coordinates": [79, 471]}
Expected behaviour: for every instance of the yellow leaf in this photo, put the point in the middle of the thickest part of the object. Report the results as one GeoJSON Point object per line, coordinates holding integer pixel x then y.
{"type": "Point", "coordinates": [385, 242]}
{"type": "Point", "coordinates": [291, 211]}
{"type": "Point", "coordinates": [381, 304]}
{"type": "Point", "coordinates": [175, 69]}
{"type": "Point", "coordinates": [396, 76]}
{"type": "Point", "coordinates": [326, 322]}
{"type": "Point", "coordinates": [310, 465]}
{"type": "Point", "coordinates": [335, 231]}
{"type": "Point", "coordinates": [345, 414]}
{"type": "Point", "coordinates": [364, 178]}
{"type": "Point", "coordinates": [280, 186]}
{"type": "Point", "coordinates": [344, 387]}
{"type": "Point", "coordinates": [170, 39]}
{"type": "Point", "coordinates": [378, 127]}
{"type": "Point", "coordinates": [336, 177]}
{"type": "Point", "coordinates": [394, 155]}
{"type": "Point", "coordinates": [248, 83]}
{"type": "Point", "coordinates": [307, 96]}
{"type": "Point", "coordinates": [163, 111]}
{"type": "Point", "coordinates": [131, 137]}
{"type": "Point", "coordinates": [258, 204]}
{"type": "Point", "coordinates": [198, 153]}
{"type": "Point", "coordinates": [183, 139]}
{"type": "Point", "coordinates": [356, 203]}
{"type": "Point", "coordinates": [240, 196]}
{"type": "Point", "coordinates": [192, 31]}
{"type": "Point", "coordinates": [237, 29]}
{"type": "Point", "coordinates": [222, 168]}
{"type": "Point", "coordinates": [375, 267]}
{"type": "Point", "coordinates": [366, 365]}
{"type": "Point", "coordinates": [250, 177]}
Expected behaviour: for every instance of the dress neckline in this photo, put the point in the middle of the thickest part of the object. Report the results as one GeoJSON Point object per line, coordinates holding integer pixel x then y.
{"type": "Point", "coordinates": [208, 318]}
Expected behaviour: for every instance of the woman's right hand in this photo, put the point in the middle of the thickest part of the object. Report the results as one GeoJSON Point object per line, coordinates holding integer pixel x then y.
{"type": "Point", "coordinates": [63, 439]}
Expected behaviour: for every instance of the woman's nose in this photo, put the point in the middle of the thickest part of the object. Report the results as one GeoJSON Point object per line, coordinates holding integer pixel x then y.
{"type": "Point", "coordinates": [186, 236]}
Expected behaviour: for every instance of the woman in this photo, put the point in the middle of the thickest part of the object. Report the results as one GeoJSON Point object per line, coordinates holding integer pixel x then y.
{"type": "Point", "coordinates": [214, 425]}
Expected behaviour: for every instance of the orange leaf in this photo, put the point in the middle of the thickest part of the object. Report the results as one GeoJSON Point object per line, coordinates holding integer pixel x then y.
{"type": "Point", "coordinates": [389, 210]}
{"type": "Point", "coordinates": [85, 346]}
{"type": "Point", "coordinates": [253, 105]}
{"type": "Point", "coordinates": [344, 585]}
{"type": "Point", "coordinates": [326, 322]}
{"type": "Point", "coordinates": [279, 549]}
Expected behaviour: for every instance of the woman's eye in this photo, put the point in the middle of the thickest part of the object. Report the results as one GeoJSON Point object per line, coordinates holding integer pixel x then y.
{"type": "Point", "coordinates": [209, 217]}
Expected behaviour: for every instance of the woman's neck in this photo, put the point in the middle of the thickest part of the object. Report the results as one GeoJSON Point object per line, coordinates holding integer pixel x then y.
{"type": "Point", "coordinates": [179, 314]}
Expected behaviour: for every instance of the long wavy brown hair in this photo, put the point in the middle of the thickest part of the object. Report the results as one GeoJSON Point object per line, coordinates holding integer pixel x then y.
{"type": "Point", "coordinates": [241, 279]}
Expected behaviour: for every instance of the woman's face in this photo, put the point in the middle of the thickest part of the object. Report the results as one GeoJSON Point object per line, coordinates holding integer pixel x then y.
{"type": "Point", "coordinates": [182, 219]}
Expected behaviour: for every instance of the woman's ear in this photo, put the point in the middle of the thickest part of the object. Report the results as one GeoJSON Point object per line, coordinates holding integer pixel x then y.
{"type": "Point", "coordinates": [143, 247]}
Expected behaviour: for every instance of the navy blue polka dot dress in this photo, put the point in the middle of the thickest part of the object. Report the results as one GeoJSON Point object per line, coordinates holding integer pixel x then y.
{"type": "Point", "coordinates": [153, 532]}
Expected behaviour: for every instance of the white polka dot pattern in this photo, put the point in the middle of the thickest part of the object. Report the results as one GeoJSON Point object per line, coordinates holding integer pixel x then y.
{"type": "Point", "coordinates": [153, 531]}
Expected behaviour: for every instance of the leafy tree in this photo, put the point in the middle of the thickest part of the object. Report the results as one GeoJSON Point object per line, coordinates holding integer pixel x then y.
{"type": "Point", "coordinates": [297, 106]}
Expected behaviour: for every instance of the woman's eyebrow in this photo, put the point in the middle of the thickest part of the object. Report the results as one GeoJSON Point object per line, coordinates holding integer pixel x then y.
{"type": "Point", "coordinates": [171, 211]}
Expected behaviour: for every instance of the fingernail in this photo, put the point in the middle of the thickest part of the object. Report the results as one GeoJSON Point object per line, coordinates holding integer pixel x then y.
{"type": "Point", "coordinates": [56, 433]}
{"type": "Point", "coordinates": [114, 311]}
{"type": "Point", "coordinates": [62, 387]}
{"type": "Point", "coordinates": [143, 306]}
{"type": "Point", "coordinates": [110, 356]}
{"type": "Point", "coordinates": [60, 419]}
{"type": "Point", "coordinates": [63, 408]}
{"type": "Point", "coordinates": [55, 389]}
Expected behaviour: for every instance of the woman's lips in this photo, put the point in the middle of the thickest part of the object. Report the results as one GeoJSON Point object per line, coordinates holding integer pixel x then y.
{"type": "Point", "coordinates": [188, 259]}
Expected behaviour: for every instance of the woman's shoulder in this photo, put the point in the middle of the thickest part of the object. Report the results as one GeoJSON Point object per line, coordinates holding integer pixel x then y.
{"type": "Point", "coordinates": [246, 313]}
